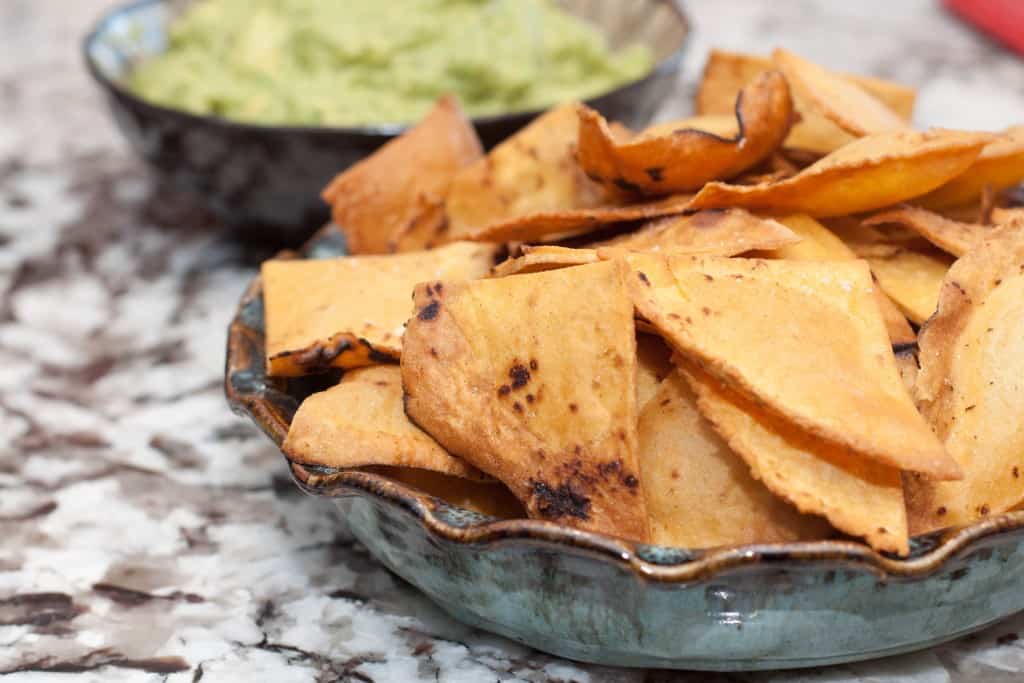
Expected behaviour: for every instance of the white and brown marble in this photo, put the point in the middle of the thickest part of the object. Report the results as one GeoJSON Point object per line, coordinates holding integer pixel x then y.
{"type": "Point", "coordinates": [147, 534]}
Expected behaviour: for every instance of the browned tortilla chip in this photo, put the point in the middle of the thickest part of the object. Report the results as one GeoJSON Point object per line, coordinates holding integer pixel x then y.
{"type": "Point", "coordinates": [551, 225]}
{"type": "Point", "coordinates": [952, 236]}
{"type": "Point", "coordinates": [349, 311]}
{"type": "Point", "coordinates": [719, 233]}
{"type": "Point", "coordinates": [699, 493]}
{"type": "Point", "coordinates": [857, 495]}
{"type": "Point", "coordinates": [805, 338]}
{"type": "Point", "coordinates": [909, 277]}
{"type": "Point", "coordinates": [999, 166]}
{"type": "Point", "coordinates": [869, 173]}
{"type": "Point", "coordinates": [726, 73]}
{"type": "Point", "coordinates": [533, 379]}
{"type": "Point", "coordinates": [970, 385]}
{"type": "Point", "coordinates": [545, 257]}
{"type": "Point", "coordinates": [818, 243]}
{"type": "Point", "coordinates": [840, 100]}
{"type": "Point", "coordinates": [361, 422]}
{"type": "Point", "coordinates": [654, 363]}
{"type": "Point", "coordinates": [685, 159]}
{"type": "Point", "coordinates": [487, 497]}
{"type": "Point", "coordinates": [391, 201]}
{"type": "Point", "coordinates": [534, 171]}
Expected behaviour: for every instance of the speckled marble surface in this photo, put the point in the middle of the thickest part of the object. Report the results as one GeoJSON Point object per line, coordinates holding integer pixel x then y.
{"type": "Point", "coordinates": [147, 534]}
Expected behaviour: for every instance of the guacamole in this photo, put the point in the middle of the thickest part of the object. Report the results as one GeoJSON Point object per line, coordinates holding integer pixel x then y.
{"type": "Point", "coordinates": [322, 62]}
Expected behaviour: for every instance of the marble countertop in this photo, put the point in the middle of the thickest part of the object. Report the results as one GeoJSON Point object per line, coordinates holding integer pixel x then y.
{"type": "Point", "coordinates": [147, 534]}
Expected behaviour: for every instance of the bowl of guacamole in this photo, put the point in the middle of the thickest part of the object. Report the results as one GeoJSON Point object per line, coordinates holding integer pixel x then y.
{"type": "Point", "coordinates": [252, 105]}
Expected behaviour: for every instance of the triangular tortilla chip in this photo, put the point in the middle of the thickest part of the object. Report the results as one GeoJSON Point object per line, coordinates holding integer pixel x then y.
{"type": "Point", "coordinates": [818, 243]}
{"type": "Point", "coordinates": [486, 497]}
{"type": "Point", "coordinates": [719, 233]}
{"type": "Point", "coordinates": [999, 166]}
{"type": "Point", "coordinates": [524, 382]}
{"type": "Point", "coordinates": [909, 277]}
{"type": "Point", "coordinates": [361, 422]}
{"type": "Point", "coordinates": [654, 363]}
{"type": "Point", "coordinates": [699, 493]}
{"type": "Point", "coordinates": [858, 496]}
{"type": "Point", "coordinates": [869, 173]}
{"type": "Point", "coordinates": [970, 388]}
{"type": "Point", "coordinates": [806, 339]}
{"type": "Point", "coordinates": [391, 201]}
{"type": "Point", "coordinates": [553, 225]}
{"type": "Point", "coordinates": [841, 101]}
{"type": "Point", "coordinates": [349, 311]}
{"type": "Point", "coordinates": [685, 159]}
{"type": "Point", "coordinates": [954, 237]}
{"type": "Point", "coordinates": [533, 171]}
{"type": "Point", "coordinates": [726, 73]}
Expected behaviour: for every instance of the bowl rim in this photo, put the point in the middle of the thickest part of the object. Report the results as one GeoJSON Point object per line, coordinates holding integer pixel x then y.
{"type": "Point", "coordinates": [930, 553]}
{"type": "Point", "coordinates": [669, 63]}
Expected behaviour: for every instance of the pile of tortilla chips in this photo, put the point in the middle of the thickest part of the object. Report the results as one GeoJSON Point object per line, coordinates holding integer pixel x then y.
{"type": "Point", "coordinates": [789, 317]}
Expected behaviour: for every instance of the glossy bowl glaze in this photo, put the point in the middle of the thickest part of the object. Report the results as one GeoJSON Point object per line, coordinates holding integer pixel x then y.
{"type": "Point", "coordinates": [267, 179]}
{"type": "Point", "coordinates": [595, 598]}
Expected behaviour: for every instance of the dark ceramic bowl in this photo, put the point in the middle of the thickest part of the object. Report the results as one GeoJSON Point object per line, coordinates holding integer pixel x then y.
{"type": "Point", "coordinates": [594, 598]}
{"type": "Point", "coordinates": [268, 178]}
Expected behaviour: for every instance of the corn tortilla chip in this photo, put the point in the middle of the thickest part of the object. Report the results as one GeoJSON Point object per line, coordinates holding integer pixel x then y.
{"type": "Point", "coordinates": [869, 173]}
{"type": "Point", "coordinates": [806, 339]}
{"type": "Point", "coordinates": [546, 257]}
{"type": "Point", "coordinates": [391, 201]}
{"type": "Point", "coordinates": [999, 166]}
{"type": "Point", "coordinates": [954, 237]}
{"type": "Point", "coordinates": [969, 386]}
{"type": "Point", "coordinates": [857, 495]}
{"type": "Point", "coordinates": [726, 73]}
{"type": "Point", "coordinates": [486, 497]}
{"type": "Point", "coordinates": [552, 225]}
{"type": "Point", "coordinates": [685, 159]}
{"type": "Point", "coordinates": [518, 378]}
{"type": "Point", "coordinates": [909, 277]}
{"type": "Point", "coordinates": [360, 422]}
{"type": "Point", "coordinates": [841, 101]}
{"type": "Point", "coordinates": [699, 493]}
{"type": "Point", "coordinates": [534, 171]}
{"type": "Point", "coordinates": [818, 243]}
{"type": "Point", "coordinates": [349, 311]}
{"type": "Point", "coordinates": [653, 364]}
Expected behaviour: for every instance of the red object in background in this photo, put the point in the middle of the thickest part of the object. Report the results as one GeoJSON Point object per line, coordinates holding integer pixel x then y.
{"type": "Point", "coordinates": [1002, 19]}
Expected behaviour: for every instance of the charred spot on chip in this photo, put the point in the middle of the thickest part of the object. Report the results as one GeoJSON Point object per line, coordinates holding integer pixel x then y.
{"type": "Point", "coordinates": [606, 468]}
{"type": "Point", "coordinates": [643, 277]}
{"type": "Point", "coordinates": [625, 185]}
{"type": "Point", "coordinates": [322, 355]}
{"type": "Point", "coordinates": [561, 501]}
{"type": "Point", "coordinates": [533, 364]}
{"type": "Point", "coordinates": [630, 481]}
{"type": "Point", "coordinates": [655, 173]}
{"type": "Point", "coordinates": [529, 398]}
{"type": "Point", "coordinates": [983, 510]}
{"type": "Point", "coordinates": [520, 375]}
{"type": "Point", "coordinates": [504, 389]}
{"type": "Point", "coordinates": [517, 406]}
{"type": "Point", "coordinates": [375, 355]}
{"type": "Point", "coordinates": [430, 311]}
{"type": "Point", "coordinates": [941, 511]}
{"type": "Point", "coordinates": [573, 408]}
{"type": "Point", "coordinates": [709, 278]}
{"type": "Point", "coordinates": [1016, 472]}
{"type": "Point", "coordinates": [433, 352]}
{"type": "Point", "coordinates": [705, 310]}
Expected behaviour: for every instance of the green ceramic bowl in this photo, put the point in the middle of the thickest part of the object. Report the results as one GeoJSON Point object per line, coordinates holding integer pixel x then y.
{"type": "Point", "coordinates": [594, 598]}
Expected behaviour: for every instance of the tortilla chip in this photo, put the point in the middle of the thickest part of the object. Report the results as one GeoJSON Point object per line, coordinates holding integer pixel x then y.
{"type": "Point", "coordinates": [349, 311]}
{"type": "Point", "coordinates": [685, 159]}
{"type": "Point", "coordinates": [857, 495]}
{"type": "Point", "coordinates": [719, 233]}
{"type": "Point", "coordinates": [805, 338]}
{"type": "Point", "coordinates": [910, 278]}
{"type": "Point", "coordinates": [841, 101]}
{"type": "Point", "coordinates": [486, 497]}
{"type": "Point", "coordinates": [699, 493]}
{"type": "Point", "coordinates": [818, 243]}
{"type": "Point", "coordinates": [524, 382]}
{"type": "Point", "coordinates": [361, 422]}
{"type": "Point", "coordinates": [654, 363]}
{"type": "Point", "coordinates": [391, 200]}
{"type": "Point", "coordinates": [969, 387]}
{"type": "Point", "coordinates": [869, 173]}
{"type": "Point", "coordinates": [554, 225]}
{"type": "Point", "coordinates": [726, 73]}
{"type": "Point", "coordinates": [954, 237]}
{"type": "Point", "coordinates": [547, 257]}
{"type": "Point", "coordinates": [999, 166]}
{"type": "Point", "coordinates": [531, 172]}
